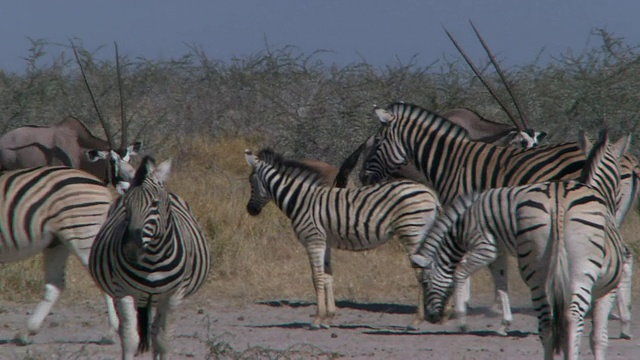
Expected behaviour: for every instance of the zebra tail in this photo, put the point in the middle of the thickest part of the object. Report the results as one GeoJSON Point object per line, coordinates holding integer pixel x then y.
{"type": "Point", "coordinates": [558, 283]}
{"type": "Point", "coordinates": [144, 328]}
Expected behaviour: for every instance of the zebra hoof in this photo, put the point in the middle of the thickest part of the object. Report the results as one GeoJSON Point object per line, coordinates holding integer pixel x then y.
{"type": "Point", "coordinates": [21, 339]}
{"type": "Point", "coordinates": [463, 329]}
{"type": "Point", "coordinates": [325, 326]}
{"type": "Point", "coordinates": [411, 327]}
{"type": "Point", "coordinates": [106, 340]}
{"type": "Point", "coordinates": [625, 336]}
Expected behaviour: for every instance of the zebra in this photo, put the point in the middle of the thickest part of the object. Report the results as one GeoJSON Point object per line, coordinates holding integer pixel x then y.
{"type": "Point", "coordinates": [56, 211]}
{"type": "Point", "coordinates": [349, 219]}
{"type": "Point", "coordinates": [150, 254]}
{"type": "Point", "coordinates": [455, 165]}
{"type": "Point", "coordinates": [566, 239]}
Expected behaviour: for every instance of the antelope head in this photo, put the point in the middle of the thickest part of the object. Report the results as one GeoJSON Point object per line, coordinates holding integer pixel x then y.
{"type": "Point", "coordinates": [525, 136]}
{"type": "Point", "coordinates": [118, 170]}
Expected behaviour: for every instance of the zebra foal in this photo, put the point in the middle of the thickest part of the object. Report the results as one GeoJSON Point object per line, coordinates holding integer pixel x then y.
{"type": "Point", "coordinates": [55, 211]}
{"type": "Point", "coordinates": [350, 219]}
{"type": "Point", "coordinates": [565, 236]}
{"type": "Point", "coordinates": [150, 253]}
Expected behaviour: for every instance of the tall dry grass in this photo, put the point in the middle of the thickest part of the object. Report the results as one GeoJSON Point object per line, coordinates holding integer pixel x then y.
{"type": "Point", "coordinates": [257, 258]}
{"type": "Point", "coordinates": [253, 257]}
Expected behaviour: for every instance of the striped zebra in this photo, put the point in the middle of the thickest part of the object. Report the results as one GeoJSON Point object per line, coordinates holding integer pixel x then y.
{"type": "Point", "coordinates": [349, 219]}
{"type": "Point", "coordinates": [454, 165]}
{"type": "Point", "coordinates": [55, 211]}
{"type": "Point", "coordinates": [564, 234]}
{"type": "Point", "coordinates": [150, 253]}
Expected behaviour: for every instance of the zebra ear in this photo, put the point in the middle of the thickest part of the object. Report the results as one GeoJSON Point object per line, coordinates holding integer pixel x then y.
{"type": "Point", "coordinates": [384, 116]}
{"type": "Point", "coordinates": [621, 146]}
{"type": "Point", "coordinates": [251, 160]}
{"type": "Point", "coordinates": [163, 170]}
{"type": "Point", "coordinates": [584, 142]}
{"type": "Point", "coordinates": [420, 261]}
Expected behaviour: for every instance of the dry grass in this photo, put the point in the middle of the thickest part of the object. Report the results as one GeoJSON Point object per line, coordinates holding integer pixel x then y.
{"type": "Point", "coordinates": [256, 258]}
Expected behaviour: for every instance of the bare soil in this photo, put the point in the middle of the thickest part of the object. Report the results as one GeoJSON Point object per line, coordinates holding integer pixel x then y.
{"type": "Point", "coordinates": [232, 329]}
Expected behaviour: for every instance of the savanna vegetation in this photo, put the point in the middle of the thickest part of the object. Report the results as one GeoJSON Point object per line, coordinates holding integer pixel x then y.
{"type": "Point", "coordinates": [203, 113]}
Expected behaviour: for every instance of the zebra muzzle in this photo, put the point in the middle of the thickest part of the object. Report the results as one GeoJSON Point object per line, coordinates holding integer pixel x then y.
{"type": "Point", "coordinates": [132, 245]}
{"type": "Point", "coordinates": [254, 209]}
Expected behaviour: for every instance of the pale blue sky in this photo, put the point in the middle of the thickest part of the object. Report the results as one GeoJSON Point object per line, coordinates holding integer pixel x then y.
{"type": "Point", "coordinates": [377, 31]}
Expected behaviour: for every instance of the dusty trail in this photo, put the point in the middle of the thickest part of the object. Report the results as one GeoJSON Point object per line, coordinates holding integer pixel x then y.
{"type": "Point", "coordinates": [227, 329]}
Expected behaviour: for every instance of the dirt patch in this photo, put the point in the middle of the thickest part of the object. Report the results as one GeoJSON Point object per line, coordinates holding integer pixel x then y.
{"type": "Point", "coordinates": [229, 329]}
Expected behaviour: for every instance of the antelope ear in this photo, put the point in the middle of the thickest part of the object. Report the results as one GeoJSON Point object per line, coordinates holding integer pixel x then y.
{"type": "Point", "coordinates": [95, 155]}
{"type": "Point", "coordinates": [251, 160]}
{"type": "Point", "coordinates": [540, 135]}
{"type": "Point", "coordinates": [134, 149]}
{"type": "Point", "coordinates": [384, 116]}
{"type": "Point", "coordinates": [512, 137]}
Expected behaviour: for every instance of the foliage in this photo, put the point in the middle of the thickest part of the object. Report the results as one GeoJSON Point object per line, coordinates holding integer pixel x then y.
{"type": "Point", "coordinates": [204, 113]}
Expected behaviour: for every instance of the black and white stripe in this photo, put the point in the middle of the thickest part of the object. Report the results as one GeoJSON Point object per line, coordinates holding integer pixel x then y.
{"type": "Point", "coordinates": [150, 253]}
{"type": "Point", "coordinates": [55, 211]}
{"type": "Point", "coordinates": [566, 240]}
{"type": "Point", "coordinates": [454, 165]}
{"type": "Point", "coordinates": [350, 219]}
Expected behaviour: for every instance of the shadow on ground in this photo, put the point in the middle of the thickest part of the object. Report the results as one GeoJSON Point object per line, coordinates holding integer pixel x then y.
{"type": "Point", "coordinates": [386, 308]}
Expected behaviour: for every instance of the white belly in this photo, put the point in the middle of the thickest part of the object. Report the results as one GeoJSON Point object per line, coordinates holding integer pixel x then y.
{"type": "Point", "coordinates": [25, 249]}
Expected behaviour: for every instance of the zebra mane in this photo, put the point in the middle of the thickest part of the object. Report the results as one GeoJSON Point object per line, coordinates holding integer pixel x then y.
{"type": "Point", "coordinates": [290, 166]}
{"type": "Point", "coordinates": [406, 110]}
{"type": "Point", "coordinates": [148, 162]}
{"type": "Point", "coordinates": [445, 223]}
{"type": "Point", "coordinates": [595, 158]}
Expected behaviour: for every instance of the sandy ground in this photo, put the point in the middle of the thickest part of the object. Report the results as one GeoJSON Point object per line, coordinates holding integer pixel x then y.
{"type": "Point", "coordinates": [231, 329]}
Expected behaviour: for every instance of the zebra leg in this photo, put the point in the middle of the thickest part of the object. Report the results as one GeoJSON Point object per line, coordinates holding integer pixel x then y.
{"type": "Point", "coordinates": [82, 253]}
{"type": "Point", "coordinates": [623, 296]}
{"type": "Point", "coordinates": [476, 259]}
{"type": "Point", "coordinates": [507, 317]}
{"type": "Point", "coordinates": [419, 318]}
{"type": "Point", "coordinates": [128, 329]}
{"type": "Point", "coordinates": [498, 270]}
{"type": "Point", "coordinates": [461, 295]}
{"type": "Point", "coordinates": [574, 324]}
{"type": "Point", "coordinates": [599, 339]}
{"type": "Point", "coordinates": [55, 261]}
{"type": "Point", "coordinates": [161, 330]}
{"type": "Point", "coordinates": [331, 301]}
{"type": "Point", "coordinates": [316, 252]}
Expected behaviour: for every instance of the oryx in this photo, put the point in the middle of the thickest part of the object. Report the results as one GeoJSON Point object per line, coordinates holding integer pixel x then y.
{"type": "Point", "coordinates": [69, 143]}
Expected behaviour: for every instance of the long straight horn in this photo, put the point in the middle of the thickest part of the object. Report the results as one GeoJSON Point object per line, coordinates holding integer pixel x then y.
{"type": "Point", "coordinates": [484, 82]}
{"type": "Point", "coordinates": [501, 74]}
{"type": "Point", "coordinates": [107, 132]}
{"type": "Point", "coordinates": [123, 121]}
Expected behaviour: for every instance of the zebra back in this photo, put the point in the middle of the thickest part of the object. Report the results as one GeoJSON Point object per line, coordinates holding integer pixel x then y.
{"type": "Point", "coordinates": [351, 219]}
{"type": "Point", "coordinates": [454, 164]}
